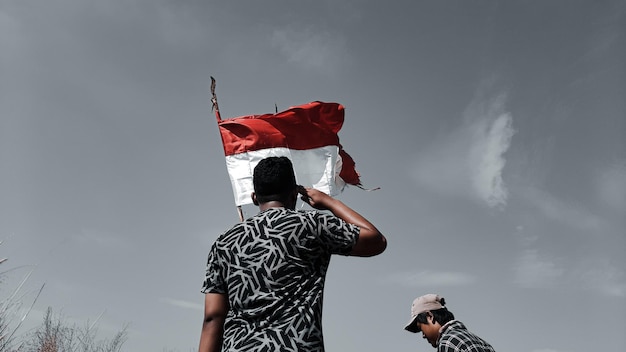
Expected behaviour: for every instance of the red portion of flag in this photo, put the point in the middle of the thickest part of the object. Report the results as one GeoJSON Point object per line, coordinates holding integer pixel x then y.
{"type": "Point", "coordinates": [302, 127]}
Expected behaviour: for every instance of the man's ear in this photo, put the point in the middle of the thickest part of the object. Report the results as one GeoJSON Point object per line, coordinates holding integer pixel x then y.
{"type": "Point", "coordinates": [430, 318]}
{"type": "Point", "coordinates": [254, 200]}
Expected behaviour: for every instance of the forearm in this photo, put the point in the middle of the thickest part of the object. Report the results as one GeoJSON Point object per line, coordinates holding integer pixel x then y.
{"type": "Point", "coordinates": [371, 242]}
{"type": "Point", "coordinates": [349, 215]}
{"type": "Point", "coordinates": [211, 336]}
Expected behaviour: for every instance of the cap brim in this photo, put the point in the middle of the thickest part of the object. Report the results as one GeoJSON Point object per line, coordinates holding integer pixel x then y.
{"type": "Point", "coordinates": [412, 326]}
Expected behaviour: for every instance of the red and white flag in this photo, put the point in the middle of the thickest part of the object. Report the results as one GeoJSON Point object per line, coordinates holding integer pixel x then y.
{"type": "Point", "coordinates": [306, 134]}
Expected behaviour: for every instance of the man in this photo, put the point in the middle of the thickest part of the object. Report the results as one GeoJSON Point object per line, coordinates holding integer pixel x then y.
{"type": "Point", "coordinates": [265, 276]}
{"type": "Point", "coordinates": [430, 316]}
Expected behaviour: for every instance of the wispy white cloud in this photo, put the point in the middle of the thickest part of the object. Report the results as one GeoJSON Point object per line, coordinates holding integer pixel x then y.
{"type": "Point", "coordinates": [565, 213]}
{"type": "Point", "coordinates": [610, 184]}
{"type": "Point", "coordinates": [533, 270]}
{"type": "Point", "coordinates": [312, 49]}
{"type": "Point", "coordinates": [597, 273]}
{"type": "Point", "coordinates": [601, 276]}
{"type": "Point", "coordinates": [524, 238]}
{"type": "Point", "coordinates": [470, 160]}
{"type": "Point", "coordinates": [181, 304]}
{"type": "Point", "coordinates": [431, 278]}
{"type": "Point", "coordinates": [487, 160]}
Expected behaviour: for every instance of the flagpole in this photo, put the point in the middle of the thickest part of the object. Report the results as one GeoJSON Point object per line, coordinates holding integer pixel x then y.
{"type": "Point", "coordinates": [214, 106]}
{"type": "Point", "coordinates": [240, 212]}
{"type": "Point", "coordinates": [218, 117]}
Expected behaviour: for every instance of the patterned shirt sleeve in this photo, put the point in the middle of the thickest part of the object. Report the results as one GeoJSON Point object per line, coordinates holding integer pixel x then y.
{"type": "Point", "coordinates": [213, 281]}
{"type": "Point", "coordinates": [337, 235]}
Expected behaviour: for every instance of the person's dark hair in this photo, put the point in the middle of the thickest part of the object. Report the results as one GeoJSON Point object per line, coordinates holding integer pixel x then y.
{"type": "Point", "coordinates": [441, 315]}
{"type": "Point", "coordinates": [273, 179]}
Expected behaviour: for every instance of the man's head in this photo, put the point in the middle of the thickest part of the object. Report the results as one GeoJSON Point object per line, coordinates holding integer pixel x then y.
{"type": "Point", "coordinates": [274, 180]}
{"type": "Point", "coordinates": [428, 315]}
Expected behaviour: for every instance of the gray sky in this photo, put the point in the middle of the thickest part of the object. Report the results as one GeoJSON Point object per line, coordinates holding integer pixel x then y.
{"type": "Point", "coordinates": [495, 129]}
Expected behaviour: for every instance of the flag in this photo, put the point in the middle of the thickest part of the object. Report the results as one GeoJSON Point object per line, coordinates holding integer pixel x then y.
{"type": "Point", "coordinates": [306, 134]}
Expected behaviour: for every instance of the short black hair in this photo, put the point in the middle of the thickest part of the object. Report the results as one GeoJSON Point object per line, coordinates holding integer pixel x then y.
{"type": "Point", "coordinates": [441, 316]}
{"type": "Point", "coordinates": [273, 179]}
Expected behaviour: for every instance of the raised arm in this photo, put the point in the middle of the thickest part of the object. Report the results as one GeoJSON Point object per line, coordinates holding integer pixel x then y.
{"type": "Point", "coordinates": [370, 243]}
{"type": "Point", "coordinates": [215, 311]}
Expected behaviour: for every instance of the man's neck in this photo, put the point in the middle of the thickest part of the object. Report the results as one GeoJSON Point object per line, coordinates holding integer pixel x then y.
{"type": "Point", "coordinates": [271, 204]}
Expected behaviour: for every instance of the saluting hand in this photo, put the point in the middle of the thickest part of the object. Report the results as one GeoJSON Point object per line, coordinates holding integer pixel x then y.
{"type": "Point", "coordinates": [316, 199]}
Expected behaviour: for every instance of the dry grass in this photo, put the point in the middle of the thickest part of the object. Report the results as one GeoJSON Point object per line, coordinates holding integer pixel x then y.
{"type": "Point", "coordinates": [54, 334]}
{"type": "Point", "coordinates": [10, 308]}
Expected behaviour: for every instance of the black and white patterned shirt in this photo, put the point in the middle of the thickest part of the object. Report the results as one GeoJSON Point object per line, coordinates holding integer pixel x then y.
{"type": "Point", "coordinates": [454, 337]}
{"type": "Point", "coordinates": [272, 267]}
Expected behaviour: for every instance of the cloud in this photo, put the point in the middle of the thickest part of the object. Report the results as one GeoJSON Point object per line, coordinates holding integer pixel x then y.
{"type": "Point", "coordinates": [487, 161]}
{"type": "Point", "coordinates": [470, 160]}
{"type": "Point", "coordinates": [610, 184]}
{"type": "Point", "coordinates": [524, 238]}
{"type": "Point", "coordinates": [311, 49]}
{"type": "Point", "coordinates": [565, 213]}
{"type": "Point", "coordinates": [596, 273]}
{"type": "Point", "coordinates": [430, 278]}
{"type": "Point", "coordinates": [182, 304]}
{"type": "Point", "coordinates": [533, 270]}
{"type": "Point", "coordinates": [601, 276]}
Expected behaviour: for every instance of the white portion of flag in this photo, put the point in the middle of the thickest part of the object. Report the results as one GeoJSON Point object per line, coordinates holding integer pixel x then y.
{"type": "Point", "coordinates": [318, 168]}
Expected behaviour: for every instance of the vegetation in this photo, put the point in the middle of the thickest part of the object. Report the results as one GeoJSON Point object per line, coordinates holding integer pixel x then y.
{"type": "Point", "coordinates": [53, 335]}
{"type": "Point", "coordinates": [56, 336]}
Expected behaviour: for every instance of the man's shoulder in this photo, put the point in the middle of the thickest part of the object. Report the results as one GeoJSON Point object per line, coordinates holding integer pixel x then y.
{"type": "Point", "coordinates": [270, 216]}
{"type": "Point", "coordinates": [456, 337]}
{"type": "Point", "coordinates": [233, 232]}
{"type": "Point", "coordinates": [455, 332]}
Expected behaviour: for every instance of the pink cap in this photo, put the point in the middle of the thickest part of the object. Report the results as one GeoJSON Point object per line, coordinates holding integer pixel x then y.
{"type": "Point", "coordinates": [422, 304]}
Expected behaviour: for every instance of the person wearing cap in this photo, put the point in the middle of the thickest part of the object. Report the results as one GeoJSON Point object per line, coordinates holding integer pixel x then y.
{"type": "Point", "coordinates": [437, 324]}
{"type": "Point", "coordinates": [265, 276]}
